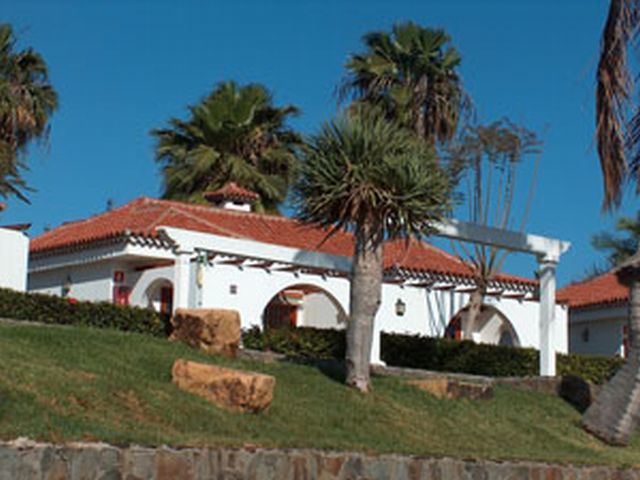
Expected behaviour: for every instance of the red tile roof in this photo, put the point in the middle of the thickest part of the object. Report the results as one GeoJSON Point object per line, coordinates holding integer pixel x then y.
{"type": "Point", "coordinates": [601, 290]}
{"type": "Point", "coordinates": [231, 191]}
{"type": "Point", "coordinates": [143, 215]}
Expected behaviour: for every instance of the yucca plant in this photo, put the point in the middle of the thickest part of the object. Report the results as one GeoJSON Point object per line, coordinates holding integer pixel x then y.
{"type": "Point", "coordinates": [367, 175]}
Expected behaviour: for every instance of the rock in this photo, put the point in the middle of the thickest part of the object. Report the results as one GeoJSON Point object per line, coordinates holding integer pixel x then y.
{"type": "Point", "coordinates": [211, 330]}
{"type": "Point", "coordinates": [577, 391]}
{"type": "Point", "coordinates": [443, 387]}
{"type": "Point", "coordinates": [235, 390]}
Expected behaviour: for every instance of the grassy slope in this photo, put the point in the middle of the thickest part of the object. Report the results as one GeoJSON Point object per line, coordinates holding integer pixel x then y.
{"type": "Point", "coordinates": [68, 383]}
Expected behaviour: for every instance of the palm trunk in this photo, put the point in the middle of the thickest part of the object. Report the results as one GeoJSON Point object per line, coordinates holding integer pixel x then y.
{"type": "Point", "coordinates": [366, 290]}
{"type": "Point", "coordinates": [475, 305]}
{"type": "Point", "coordinates": [615, 413]}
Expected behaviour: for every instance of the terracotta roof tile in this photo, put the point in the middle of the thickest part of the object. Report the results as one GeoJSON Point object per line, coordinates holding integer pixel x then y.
{"type": "Point", "coordinates": [231, 190]}
{"type": "Point", "coordinates": [143, 215]}
{"type": "Point", "coordinates": [601, 290]}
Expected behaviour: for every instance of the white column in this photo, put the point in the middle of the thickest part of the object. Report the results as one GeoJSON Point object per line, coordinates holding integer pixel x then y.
{"type": "Point", "coordinates": [375, 358]}
{"type": "Point", "coordinates": [181, 279]}
{"type": "Point", "coordinates": [547, 273]}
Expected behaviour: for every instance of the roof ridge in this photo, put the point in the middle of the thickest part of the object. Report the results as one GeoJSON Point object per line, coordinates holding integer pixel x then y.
{"type": "Point", "coordinates": [224, 211]}
{"type": "Point", "coordinates": [174, 208]}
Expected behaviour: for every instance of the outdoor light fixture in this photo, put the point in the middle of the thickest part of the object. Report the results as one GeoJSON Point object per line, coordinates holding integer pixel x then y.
{"type": "Point", "coordinates": [66, 286]}
{"type": "Point", "coordinates": [401, 308]}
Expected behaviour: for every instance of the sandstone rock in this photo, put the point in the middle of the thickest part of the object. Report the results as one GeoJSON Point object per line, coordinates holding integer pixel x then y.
{"type": "Point", "coordinates": [443, 387]}
{"type": "Point", "coordinates": [210, 330]}
{"type": "Point", "coordinates": [232, 389]}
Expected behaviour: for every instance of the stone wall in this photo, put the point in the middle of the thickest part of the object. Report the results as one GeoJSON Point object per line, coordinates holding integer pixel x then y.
{"type": "Point", "coordinates": [29, 460]}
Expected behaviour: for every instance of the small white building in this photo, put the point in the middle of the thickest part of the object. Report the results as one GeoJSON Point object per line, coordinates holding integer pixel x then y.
{"type": "Point", "coordinates": [14, 252]}
{"type": "Point", "coordinates": [167, 254]}
{"type": "Point", "coordinates": [598, 316]}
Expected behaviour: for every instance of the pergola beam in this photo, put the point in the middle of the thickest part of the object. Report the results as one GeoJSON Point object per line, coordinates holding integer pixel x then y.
{"type": "Point", "coordinates": [548, 248]}
{"type": "Point", "coordinates": [547, 252]}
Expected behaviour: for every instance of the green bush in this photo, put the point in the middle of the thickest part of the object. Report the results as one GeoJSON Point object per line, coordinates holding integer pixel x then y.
{"type": "Point", "coordinates": [301, 342]}
{"type": "Point", "coordinates": [67, 311]}
{"type": "Point", "coordinates": [441, 354]}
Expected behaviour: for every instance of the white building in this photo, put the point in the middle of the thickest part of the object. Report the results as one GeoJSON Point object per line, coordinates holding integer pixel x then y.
{"type": "Point", "coordinates": [14, 251]}
{"type": "Point", "coordinates": [598, 314]}
{"type": "Point", "coordinates": [166, 254]}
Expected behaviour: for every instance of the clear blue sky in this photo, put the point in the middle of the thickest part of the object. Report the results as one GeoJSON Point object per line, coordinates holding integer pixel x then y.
{"type": "Point", "coordinates": [123, 68]}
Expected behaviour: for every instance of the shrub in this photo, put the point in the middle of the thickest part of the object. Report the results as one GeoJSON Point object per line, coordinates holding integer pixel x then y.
{"type": "Point", "coordinates": [67, 311]}
{"type": "Point", "coordinates": [301, 342]}
{"type": "Point", "coordinates": [427, 353]}
{"type": "Point", "coordinates": [448, 355]}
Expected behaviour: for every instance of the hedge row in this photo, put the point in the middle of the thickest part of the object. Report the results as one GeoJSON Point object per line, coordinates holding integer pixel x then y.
{"type": "Point", "coordinates": [301, 342]}
{"type": "Point", "coordinates": [428, 353]}
{"type": "Point", "coordinates": [67, 311]}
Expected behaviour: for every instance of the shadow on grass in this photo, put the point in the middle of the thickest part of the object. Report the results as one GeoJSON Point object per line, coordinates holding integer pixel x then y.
{"type": "Point", "coordinates": [336, 370]}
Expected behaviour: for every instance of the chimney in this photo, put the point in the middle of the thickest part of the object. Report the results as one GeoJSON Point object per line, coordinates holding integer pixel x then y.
{"type": "Point", "coordinates": [232, 197]}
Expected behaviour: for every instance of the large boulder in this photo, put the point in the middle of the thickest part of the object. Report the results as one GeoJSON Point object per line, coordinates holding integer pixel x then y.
{"type": "Point", "coordinates": [211, 330]}
{"type": "Point", "coordinates": [235, 390]}
{"type": "Point", "coordinates": [453, 389]}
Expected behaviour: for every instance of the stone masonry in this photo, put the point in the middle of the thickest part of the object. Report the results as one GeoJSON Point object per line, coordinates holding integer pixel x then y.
{"type": "Point", "coordinates": [23, 459]}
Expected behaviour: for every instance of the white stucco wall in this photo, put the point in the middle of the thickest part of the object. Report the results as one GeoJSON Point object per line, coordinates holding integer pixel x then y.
{"type": "Point", "coordinates": [255, 287]}
{"type": "Point", "coordinates": [88, 281]}
{"type": "Point", "coordinates": [605, 330]}
{"type": "Point", "coordinates": [142, 281]}
{"type": "Point", "coordinates": [14, 251]}
{"type": "Point", "coordinates": [319, 311]}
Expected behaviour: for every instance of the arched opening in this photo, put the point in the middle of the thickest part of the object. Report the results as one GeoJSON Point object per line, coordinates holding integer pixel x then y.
{"type": "Point", "coordinates": [491, 327]}
{"type": "Point", "coordinates": [159, 296]}
{"type": "Point", "coordinates": [304, 305]}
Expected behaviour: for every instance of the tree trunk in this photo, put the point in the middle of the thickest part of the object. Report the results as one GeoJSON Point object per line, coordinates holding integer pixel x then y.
{"type": "Point", "coordinates": [475, 306]}
{"type": "Point", "coordinates": [615, 413]}
{"type": "Point", "coordinates": [366, 290]}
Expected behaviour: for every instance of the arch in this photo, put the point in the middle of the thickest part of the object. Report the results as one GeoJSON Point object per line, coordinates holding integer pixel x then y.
{"type": "Point", "coordinates": [159, 296]}
{"type": "Point", "coordinates": [304, 304]}
{"type": "Point", "coordinates": [492, 327]}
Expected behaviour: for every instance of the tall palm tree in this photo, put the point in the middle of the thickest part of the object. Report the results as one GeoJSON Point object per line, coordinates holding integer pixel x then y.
{"type": "Point", "coordinates": [367, 175]}
{"type": "Point", "coordinates": [412, 73]}
{"type": "Point", "coordinates": [27, 101]}
{"type": "Point", "coordinates": [234, 134]}
{"type": "Point", "coordinates": [615, 413]}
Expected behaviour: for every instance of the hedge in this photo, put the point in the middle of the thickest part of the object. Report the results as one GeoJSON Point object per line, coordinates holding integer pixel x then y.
{"type": "Point", "coordinates": [443, 354]}
{"type": "Point", "coordinates": [429, 353]}
{"type": "Point", "coordinates": [68, 311]}
{"type": "Point", "coordinates": [301, 342]}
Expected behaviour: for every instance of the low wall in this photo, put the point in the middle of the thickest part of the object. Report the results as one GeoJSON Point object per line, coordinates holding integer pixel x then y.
{"type": "Point", "coordinates": [29, 460]}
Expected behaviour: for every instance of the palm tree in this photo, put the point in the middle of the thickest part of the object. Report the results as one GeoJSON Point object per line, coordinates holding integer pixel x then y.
{"type": "Point", "coordinates": [619, 248]}
{"type": "Point", "coordinates": [234, 134]}
{"type": "Point", "coordinates": [27, 101]}
{"type": "Point", "coordinates": [367, 175]}
{"type": "Point", "coordinates": [412, 74]}
{"type": "Point", "coordinates": [614, 414]}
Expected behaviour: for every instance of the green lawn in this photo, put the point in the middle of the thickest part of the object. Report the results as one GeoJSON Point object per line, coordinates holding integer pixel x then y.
{"type": "Point", "coordinates": [71, 383]}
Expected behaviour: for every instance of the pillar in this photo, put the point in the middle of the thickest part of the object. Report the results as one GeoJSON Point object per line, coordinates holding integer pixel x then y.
{"type": "Point", "coordinates": [181, 279]}
{"type": "Point", "coordinates": [547, 274]}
